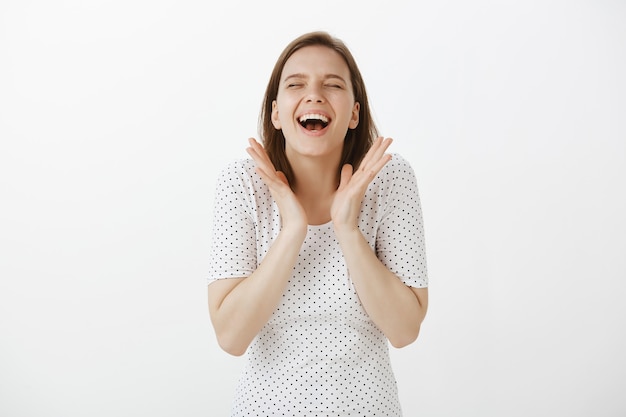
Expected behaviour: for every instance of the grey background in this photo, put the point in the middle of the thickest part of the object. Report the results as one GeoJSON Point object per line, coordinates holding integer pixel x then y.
{"type": "Point", "coordinates": [115, 117]}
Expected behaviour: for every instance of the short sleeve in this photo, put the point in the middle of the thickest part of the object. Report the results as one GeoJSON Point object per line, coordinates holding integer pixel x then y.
{"type": "Point", "coordinates": [400, 242]}
{"type": "Point", "coordinates": [233, 247]}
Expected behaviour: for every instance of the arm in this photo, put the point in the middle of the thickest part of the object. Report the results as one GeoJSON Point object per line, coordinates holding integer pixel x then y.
{"type": "Point", "coordinates": [240, 307]}
{"type": "Point", "coordinates": [397, 309]}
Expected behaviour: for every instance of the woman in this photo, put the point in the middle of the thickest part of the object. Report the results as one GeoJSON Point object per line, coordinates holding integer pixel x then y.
{"type": "Point", "coordinates": [318, 257]}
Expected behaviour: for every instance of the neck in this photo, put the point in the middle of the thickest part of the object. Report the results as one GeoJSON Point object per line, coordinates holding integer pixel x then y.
{"type": "Point", "coordinates": [315, 178]}
{"type": "Point", "coordinates": [315, 187]}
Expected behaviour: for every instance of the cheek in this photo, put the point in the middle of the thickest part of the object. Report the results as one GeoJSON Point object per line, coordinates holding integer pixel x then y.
{"type": "Point", "coordinates": [283, 110]}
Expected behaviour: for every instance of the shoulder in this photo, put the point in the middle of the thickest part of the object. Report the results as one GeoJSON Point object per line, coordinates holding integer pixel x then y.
{"type": "Point", "coordinates": [396, 180]}
{"type": "Point", "coordinates": [396, 169]}
{"type": "Point", "coordinates": [239, 177]}
{"type": "Point", "coordinates": [238, 171]}
{"type": "Point", "coordinates": [398, 162]}
{"type": "Point", "coordinates": [237, 167]}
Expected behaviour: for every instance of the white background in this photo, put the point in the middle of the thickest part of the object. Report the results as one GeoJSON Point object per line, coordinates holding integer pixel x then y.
{"type": "Point", "coordinates": [115, 117]}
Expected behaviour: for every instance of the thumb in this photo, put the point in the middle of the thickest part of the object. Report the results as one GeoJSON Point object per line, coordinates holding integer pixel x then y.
{"type": "Point", "coordinates": [346, 175]}
{"type": "Point", "coordinates": [282, 177]}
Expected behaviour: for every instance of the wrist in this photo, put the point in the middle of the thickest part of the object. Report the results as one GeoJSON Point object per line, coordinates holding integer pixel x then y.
{"type": "Point", "coordinates": [295, 233]}
{"type": "Point", "coordinates": [347, 232]}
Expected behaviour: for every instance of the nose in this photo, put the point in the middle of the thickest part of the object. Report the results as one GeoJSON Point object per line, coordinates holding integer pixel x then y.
{"type": "Point", "coordinates": [314, 95]}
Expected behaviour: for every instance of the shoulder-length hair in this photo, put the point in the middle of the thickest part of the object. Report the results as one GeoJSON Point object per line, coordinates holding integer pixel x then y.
{"type": "Point", "coordinates": [357, 141]}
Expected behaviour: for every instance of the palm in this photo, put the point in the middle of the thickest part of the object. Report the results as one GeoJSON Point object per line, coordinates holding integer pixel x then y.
{"type": "Point", "coordinates": [291, 211]}
{"type": "Point", "coordinates": [346, 205]}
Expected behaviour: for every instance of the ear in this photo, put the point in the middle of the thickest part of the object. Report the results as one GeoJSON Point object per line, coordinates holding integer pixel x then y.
{"type": "Point", "coordinates": [275, 118]}
{"type": "Point", "coordinates": [354, 120]}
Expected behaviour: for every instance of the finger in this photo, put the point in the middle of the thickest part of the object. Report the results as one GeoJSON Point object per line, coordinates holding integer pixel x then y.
{"type": "Point", "coordinates": [346, 175]}
{"type": "Point", "coordinates": [378, 148]}
{"type": "Point", "coordinates": [376, 152]}
{"type": "Point", "coordinates": [370, 152]}
{"type": "Point", "coordinates": [273, 179]}
{"type": "Point", "coordinates": [281, 176]}
{"type": "Point", "coordinates": [369, 172]}
{"type": "Point", "coordinates": [258, 159]}
{"type": "Point", "coordinates": [380, 164]}
{"type": "Point", "coordinates": [257, 148]}
{"type": "Point", "coordinates": [257, 152]}
{"type": "Point", "coordinates": [269, 178]}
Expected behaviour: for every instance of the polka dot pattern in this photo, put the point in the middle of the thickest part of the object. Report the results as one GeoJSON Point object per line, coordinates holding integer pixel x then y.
{"type": "Point", "coordinates": [319, 354]}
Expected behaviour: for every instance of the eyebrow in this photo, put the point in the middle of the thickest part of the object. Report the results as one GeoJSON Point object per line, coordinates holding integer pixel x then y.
{"type": "Point", "coordinates": [326, 77]}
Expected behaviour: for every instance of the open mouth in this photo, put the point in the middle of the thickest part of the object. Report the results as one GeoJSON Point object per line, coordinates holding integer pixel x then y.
{"type": "Point", "coordinates": [313, 121]}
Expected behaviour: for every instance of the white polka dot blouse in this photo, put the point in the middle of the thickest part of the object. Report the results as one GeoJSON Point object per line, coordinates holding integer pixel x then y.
{"type": "Point", "coordinates": [319, 354]}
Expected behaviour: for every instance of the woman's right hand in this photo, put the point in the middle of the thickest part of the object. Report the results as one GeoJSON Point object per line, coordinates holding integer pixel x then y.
{"type": "Point", "coordinates": [291, 211]}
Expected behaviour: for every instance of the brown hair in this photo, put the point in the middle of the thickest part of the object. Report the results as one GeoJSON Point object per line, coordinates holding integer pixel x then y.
{"type": "Point", "coordinates": [357, 141]}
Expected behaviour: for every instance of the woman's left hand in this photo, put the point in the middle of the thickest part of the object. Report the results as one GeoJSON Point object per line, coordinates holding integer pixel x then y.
{"type": "Point", "coordinates": [346, 205]}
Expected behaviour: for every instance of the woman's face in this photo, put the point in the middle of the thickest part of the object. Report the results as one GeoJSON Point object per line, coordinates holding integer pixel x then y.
{"type": "Point", "coordinates": [315, 103]}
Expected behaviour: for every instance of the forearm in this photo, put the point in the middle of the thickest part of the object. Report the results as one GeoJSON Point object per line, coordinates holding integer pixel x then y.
{"type": "Point", "coordinates": [392, 305]}
{"type": "Point", "coordinates": [239, 314]}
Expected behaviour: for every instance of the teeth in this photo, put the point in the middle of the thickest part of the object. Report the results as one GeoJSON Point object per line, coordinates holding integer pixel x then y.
{"type": "Point", "coordinates": [313, 116]}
